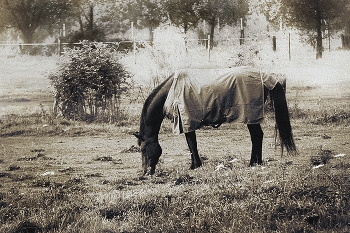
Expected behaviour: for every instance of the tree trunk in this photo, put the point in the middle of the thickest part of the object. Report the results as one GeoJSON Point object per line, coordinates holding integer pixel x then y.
{"type": "Point", "coordinates": [185, 27]}
{"type": "Point", "coordinates": [319, 47]}
{"type": "Point", "coordinates": [27, 32]}
{"type": "Point", "coordinates": [91, 20]}
{"type": "Point", "coordinates": [81, 25]}
{"type": "Point", "coordinates": [346, 37]}
{"type": "Point", "coordinates": [27, 37]}
{"type": "Point", "coordinates": [212, 29]}
{"type": "Point", "coordinates": [151, 33]}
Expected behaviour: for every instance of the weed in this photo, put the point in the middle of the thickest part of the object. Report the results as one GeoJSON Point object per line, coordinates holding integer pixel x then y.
{"type": "Point", "coordinates": [186, 179]}
{"type": "Point", "coordinates": [104, 159]}
{"type": "Point", "coordinates": [132, 149]}
{"type": "Point", "coordinates": [27, 226]}
{"type": "Point", "coordinates": [334, 117]}
{"type": "Point", "coordinates": [297, 112]}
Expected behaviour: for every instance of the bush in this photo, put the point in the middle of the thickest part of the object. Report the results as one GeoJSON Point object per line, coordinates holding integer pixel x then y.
{"type": "Point", "coordinates": [89, 84]}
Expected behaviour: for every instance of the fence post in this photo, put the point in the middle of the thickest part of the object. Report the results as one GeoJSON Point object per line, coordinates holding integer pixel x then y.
{"type": "Point", "coordinates": [241, 39]}
{"type": "Point", "coordinates": [133, 41]}
{"type": "Point", "coordinates": [58, 46]}
{"type": "Point", "coordinates": [289, 53]}
{"type": "Point", "coordinates": [209, 47]}
{"type": "Point", "coordinates": [64, 30]}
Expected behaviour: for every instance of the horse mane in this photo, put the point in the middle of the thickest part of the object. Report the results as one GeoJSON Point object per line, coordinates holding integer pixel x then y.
{"type": "Point", "coordinates": [147, 104]}
{"type": "Point", "coordinates": [282, 118]}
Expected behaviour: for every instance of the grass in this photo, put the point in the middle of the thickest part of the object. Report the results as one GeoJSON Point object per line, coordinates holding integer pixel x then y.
{"type": "Point", "coordinates": [43, 123]}
{"type": "Point", "coordinates": [285, 195]}
{"type": "Point", "coordinates": [278, 197]}
{"type": "Point", "coordinates": [65, 176]}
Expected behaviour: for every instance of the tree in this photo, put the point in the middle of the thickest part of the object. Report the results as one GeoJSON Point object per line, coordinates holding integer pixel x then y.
{"type": "Point", "coordinates": [93, 18]}
{"type": "Point", "coordinates": [114, 18]}
{"type": "Point", "coordinates": [311, 17]}
{"type": "Point", "coordinates": [346, 36]}
{"type": "Point", "coordinates": [83, 12]}
{"type": "Point", "coordinates": [3, 19]}
{"type": "Point", "coordinates": [182, 13]}
{"type": "Point", "coordinates": [29, 15]}
{"type": "Point", "coordinates": [145, 13]}
{"type": "Point", "coordinates": [227, 11]}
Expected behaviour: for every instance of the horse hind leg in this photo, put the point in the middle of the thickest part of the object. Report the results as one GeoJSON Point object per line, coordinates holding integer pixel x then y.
{"type": "Point", "coordinates": [192, 144]}
{"type": "Point", "coordinates": [256, 135]}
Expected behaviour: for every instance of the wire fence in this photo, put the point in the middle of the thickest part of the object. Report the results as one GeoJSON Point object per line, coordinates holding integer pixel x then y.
{"type": "Point", "coordinates": [283, 44]}
{"type": "Point", "coordinates": [48, 49]}
{"type": "Point", "coordinates": [125, 46]}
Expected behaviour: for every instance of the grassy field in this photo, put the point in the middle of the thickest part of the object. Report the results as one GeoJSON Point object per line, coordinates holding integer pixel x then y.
{"type": "Point", "coordinates": [63, 176]}
{"type": "Point", "coordinates": [91, 180]}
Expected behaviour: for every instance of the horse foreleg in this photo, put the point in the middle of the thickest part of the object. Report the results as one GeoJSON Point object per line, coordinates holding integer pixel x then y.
{"type": "Point", "coordinates": [192, 144]}
{"type": "Point", "coordinates": [256, 135]}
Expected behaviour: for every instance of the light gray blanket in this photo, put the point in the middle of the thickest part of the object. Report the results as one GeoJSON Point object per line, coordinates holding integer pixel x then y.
{"type": "Point", "coordinates": [201, 97]}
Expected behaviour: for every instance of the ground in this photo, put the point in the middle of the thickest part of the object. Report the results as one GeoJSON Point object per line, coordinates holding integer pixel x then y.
{"type": "Point", "coordinates": [62, 176]}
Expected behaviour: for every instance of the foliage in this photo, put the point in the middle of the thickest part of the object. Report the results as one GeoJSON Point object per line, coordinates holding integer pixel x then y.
{"type": "Point", "coordinates": [95, 34]}
{"type": "Point", "coordinates": [310, 17]}
{"type": "Point", "coordinates": [335, 117]}
{"type": "Point", "coordinates": [89, 84]}
{"type": "Point", "coordinates": [303, 14]}
{"type": "Point", "coordinates": [84, 12]}
{"type": "Point", "coordinates": [145, 13]}
{"type": "Point", "coordinates": [182, 13]}
{"type": "Point", "coordinates": [227, 11]}
{"type": "Point", "coordinates": [30, 16]}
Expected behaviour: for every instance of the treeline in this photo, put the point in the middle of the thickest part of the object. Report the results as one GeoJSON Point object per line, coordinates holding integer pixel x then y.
{"type": "Point", "coordinates": [93, 20]}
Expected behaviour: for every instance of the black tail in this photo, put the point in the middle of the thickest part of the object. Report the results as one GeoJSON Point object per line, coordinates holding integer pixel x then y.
{"type": "Point", "coordinates": [278, 97]}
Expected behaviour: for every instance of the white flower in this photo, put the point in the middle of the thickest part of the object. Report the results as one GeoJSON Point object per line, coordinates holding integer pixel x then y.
{"type": "Point", "coordinates": [318, 166]}
{"type": "Point", "coordinates": [220, 167]}
{"type": "Point", "coordinates": [339, 155]}
{"type": "Point", "coordinates": [48, 174]}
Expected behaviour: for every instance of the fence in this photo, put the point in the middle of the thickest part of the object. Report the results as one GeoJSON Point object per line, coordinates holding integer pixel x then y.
{"type": "Point", "coordinates": [48, 49]}
{"type": "Point", "coordinates": [248, 45]}
{"type": "Point", "coordinates": [124, 46]}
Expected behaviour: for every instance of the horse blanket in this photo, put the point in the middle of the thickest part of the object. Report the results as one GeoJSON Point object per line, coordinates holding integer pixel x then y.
{"type": "Point", "coordinates": [200, 97]}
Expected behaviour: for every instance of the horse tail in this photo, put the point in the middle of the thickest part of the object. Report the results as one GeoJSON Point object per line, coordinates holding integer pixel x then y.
{"type": "Point", "coordinates": [278, 97]}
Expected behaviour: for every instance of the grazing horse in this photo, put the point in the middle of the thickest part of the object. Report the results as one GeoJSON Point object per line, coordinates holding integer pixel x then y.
{"type": "Point", "coordinates": [193, 99]}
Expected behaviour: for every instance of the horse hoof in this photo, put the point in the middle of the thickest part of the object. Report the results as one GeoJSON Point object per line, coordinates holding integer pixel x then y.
{"type": "Point", "coordinates": [195, 166]}
{"type": "Point", "coordinates": [255, 164]}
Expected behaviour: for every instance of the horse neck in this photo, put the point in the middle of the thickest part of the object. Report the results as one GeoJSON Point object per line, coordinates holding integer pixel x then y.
{"type": "Point", "coordinates": [153, 113]}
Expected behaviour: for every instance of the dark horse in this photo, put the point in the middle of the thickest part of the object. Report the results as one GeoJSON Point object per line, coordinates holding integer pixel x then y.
{"type": "Point", "coordinates": [153, 114]}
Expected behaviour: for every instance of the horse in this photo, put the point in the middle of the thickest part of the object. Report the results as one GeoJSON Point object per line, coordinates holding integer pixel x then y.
{"type": "Point", "coordinates": [155, 110]}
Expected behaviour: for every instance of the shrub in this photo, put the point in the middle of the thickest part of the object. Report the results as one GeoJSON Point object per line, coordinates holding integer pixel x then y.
{"type": "Point", "coordinates": [89, 84]}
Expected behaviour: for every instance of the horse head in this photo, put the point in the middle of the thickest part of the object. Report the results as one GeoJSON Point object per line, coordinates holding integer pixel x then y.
{"type": "Point", "coordinates": [150, 152]}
